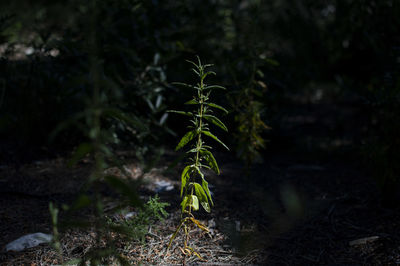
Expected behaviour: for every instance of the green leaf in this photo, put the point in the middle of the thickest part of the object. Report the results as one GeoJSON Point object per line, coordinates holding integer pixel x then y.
{"type": "Point", "coordinates": [209, 87]}
{"type": "Point", "coordinates": [208, 133]}
{"type": "Point", "coordinates": [199, 171]}
{"type": "Point", "coordinates": [201, 195]}
{"type": "Point", "coordinates": [192, 101]}
{"type": "Point", "coordinates": [183, 85]}
{"type": "Point", "coordinates": [184, 203]}
{"type": "Point", "coordinates": [180, 112]}
{"type": "Point", "coordinates": [184, 177]}
{"type": "Point", "coordinates": [204, 184]}
{"type": "Point", "coordinates": [215, 121]}
{"type": "Point", "coordinates": [195, 203]}
{"type": "Point", "coordinates": [208, 73]}
{"type": "Point", "coordinates": [82, 150]}
{"type": "Point", "coordinates": [217, 106]}
{"type": "Point", "coordinates": [208, 156]}
{"type": "Point", "coordinates": [195, 71]}
{"type": "Point", "coordinates": [185, 140]}
{"type": "Point", "coordinates": [193, 63]}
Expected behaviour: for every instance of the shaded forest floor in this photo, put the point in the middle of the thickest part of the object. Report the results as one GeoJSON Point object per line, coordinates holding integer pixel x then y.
{"type": "Point", "coordinates": [309, 202]}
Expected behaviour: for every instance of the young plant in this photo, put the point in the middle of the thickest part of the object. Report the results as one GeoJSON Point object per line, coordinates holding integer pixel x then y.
{"type": "Point", "coordinates": [248, 108]}
{"type": "Point", "coordinates": [194, 187]}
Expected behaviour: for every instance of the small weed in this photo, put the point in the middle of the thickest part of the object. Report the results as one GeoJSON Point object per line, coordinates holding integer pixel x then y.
{"type": "Point", "coordinates": [150, 213]}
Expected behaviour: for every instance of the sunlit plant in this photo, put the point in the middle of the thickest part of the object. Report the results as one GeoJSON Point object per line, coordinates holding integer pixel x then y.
{"type": "Point", "coordinates": [194, 186]}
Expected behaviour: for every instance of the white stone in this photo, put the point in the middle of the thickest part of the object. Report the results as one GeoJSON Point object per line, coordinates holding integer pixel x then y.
{"type": "Point", "coordinates": [28, 241]}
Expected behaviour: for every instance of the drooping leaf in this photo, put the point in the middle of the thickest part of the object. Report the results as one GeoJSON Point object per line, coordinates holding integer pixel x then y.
{"type": "Point", "coordinates": [180, 112]}
{"type": "Point", "coordinates": [209, 157]}
{"type": "Point", "coordinates": [215, 121]}
{"type": "Point", "coordinates": [204, 184]}
{"type": "Point", "coordinates": [208, 133]}
{"type": "Point", "coordinates": [194, 203]}
{"type": "Point", "coordinates": [201, 195]}
{"type": "Point", "coordinates": [185, 139]}
{"type": "Point", "coordinates": [200, 225]}
{"type": "Point", "coordinates": [184, 202]}
{"type": "Point", "coordinates": [218, 107]}
{"type": "Point", "coordinates": [184, 177]}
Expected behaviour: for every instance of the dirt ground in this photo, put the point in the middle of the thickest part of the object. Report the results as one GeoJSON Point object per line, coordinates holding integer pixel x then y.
{"type": "Point", "coordinates": [310, 202]}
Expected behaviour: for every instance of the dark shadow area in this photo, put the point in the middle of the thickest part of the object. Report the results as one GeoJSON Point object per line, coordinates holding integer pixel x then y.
{"type": "Point", "coordinates": [312, 111]}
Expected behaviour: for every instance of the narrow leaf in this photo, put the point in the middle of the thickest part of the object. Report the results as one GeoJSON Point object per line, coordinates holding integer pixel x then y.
{"type": "Point", "coordinates": [204, 184]}
{"type": "Point", "coordinates": [208, 73]}
{"type": "Point", "coordinates": [209, 87]}
{"type": "Point", "coordinates": [184, 177]}
{"type": "Point", "coordinates": [201, 195]}
{"type": "Point", "coordinates": [183, 85]}
{"type": "Point", "coordinates": [192, 101]}
{"type": "Point", "coordinates": [193, 63]}
{"type": "Point", "coordinates": [208, 156]}
{"type": "Point", "coordinates": [195, 71]}
{"type": "Point", "coordinates": [180, 112]}
{"type": "Point", "coordinates": [184, 203]}
{"type": "Point", "coordinates": [217, 106]}
{"type": "Point", "coordinates": [208, 133]}
{"type": "Point", "coordinates": [215, 121]}
{"type": "Point", "coordinates": [185, 140]}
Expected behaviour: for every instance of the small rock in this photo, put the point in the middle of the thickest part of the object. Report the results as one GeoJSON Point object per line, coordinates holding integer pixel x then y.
{"type": "Point", "coordinates": [28, 241]}
{"type": "Point", "coordinates": [129, 215]}
{"type": "Point", "coordinates": [163, 186]}
{"type": "Point", "coordinates": [363, 241]}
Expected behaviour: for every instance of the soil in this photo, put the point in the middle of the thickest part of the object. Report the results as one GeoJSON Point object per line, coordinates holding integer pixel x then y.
{"type": "Point", "coordinates": [311, 201]}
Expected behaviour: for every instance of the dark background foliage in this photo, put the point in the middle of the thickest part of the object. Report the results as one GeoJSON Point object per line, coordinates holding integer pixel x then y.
{"type": "Point", "coordinates": [273, 53]}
